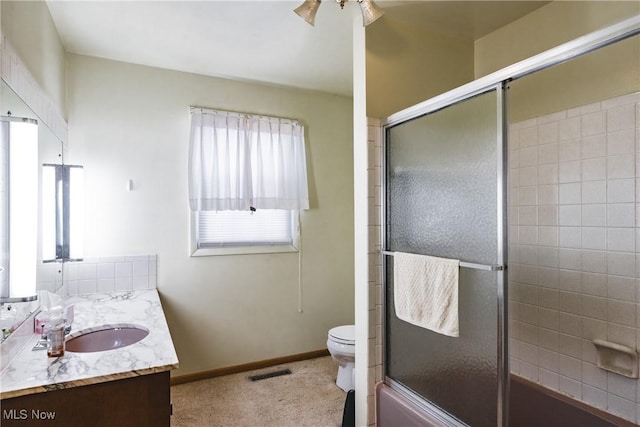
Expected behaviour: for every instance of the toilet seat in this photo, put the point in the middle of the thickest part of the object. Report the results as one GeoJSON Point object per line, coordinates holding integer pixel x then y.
{"type": "Point", "coordinates": [343, 334]}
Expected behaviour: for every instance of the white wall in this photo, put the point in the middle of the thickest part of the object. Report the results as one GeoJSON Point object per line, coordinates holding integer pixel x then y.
{"type": "Point", "coordinates": [406, 65]}
{"type": "Point", "coordinates": [30, 30]}
{"type": "Point", "coordinates": [132, 122]}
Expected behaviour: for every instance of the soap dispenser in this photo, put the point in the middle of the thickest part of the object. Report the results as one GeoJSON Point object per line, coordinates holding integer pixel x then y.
{"type": "Point", "coordinates": [55, 334]}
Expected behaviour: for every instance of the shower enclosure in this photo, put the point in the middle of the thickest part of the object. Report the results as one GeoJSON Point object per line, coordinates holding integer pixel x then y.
{"type": "Point", "coordinates": [528, 177]}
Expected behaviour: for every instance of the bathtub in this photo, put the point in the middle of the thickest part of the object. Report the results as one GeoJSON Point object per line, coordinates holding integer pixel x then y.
{"type": "Point", "coordinates": [531, 405]}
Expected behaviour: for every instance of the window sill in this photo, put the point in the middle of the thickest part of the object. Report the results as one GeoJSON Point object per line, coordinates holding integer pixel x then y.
{"type": "Point", "coordinates": [243, 250]}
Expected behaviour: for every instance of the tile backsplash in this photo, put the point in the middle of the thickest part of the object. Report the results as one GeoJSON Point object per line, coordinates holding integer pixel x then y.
{"type": "Point", "coordinates": [573, 249]}
{"type": "Point", "coordinates": [99, 274]}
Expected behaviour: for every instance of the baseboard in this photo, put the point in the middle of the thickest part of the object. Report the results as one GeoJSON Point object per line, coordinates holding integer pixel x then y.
{"type": "Point", "coordinates": [203, 375]}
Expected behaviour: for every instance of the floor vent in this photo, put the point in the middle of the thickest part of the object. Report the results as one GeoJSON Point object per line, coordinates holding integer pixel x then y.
{"type": "Point", "coordinates": [270, 375]}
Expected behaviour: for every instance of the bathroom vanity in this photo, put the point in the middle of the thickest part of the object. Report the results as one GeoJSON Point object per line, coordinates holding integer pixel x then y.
{"type": "Point", "coordinates": [123, 386]}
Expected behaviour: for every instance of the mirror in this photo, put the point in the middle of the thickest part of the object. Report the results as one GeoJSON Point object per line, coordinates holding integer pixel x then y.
{"type": "Point", "coordinates": [48, 275]}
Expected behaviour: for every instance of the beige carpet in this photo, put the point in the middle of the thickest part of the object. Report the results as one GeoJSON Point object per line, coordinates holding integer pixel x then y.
{"type": "Point", "coordinates": [307, 397]}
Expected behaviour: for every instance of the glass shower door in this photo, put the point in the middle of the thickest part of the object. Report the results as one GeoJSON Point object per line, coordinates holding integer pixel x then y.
{"type": "Point", "coordinates": [444, 199]}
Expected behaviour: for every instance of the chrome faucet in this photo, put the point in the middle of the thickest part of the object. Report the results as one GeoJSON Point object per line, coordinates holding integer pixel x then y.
{"type": "Point", "coordinates": [42, 342]}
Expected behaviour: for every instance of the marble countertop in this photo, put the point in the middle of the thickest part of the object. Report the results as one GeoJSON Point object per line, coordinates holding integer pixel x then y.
{"type": "Point", "coordinates": [33, 372]}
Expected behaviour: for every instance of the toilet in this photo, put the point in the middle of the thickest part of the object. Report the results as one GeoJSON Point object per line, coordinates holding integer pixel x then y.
{"type": "Point", "coordinates": [341, 343]}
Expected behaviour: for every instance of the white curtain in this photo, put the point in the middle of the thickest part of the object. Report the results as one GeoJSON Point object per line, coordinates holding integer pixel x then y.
{"type": "Point", "coordinates": [238, 161]}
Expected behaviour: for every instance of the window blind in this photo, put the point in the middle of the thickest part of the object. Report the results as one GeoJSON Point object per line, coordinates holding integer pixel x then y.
{"type": "Point", "coordinates": [244, 228]}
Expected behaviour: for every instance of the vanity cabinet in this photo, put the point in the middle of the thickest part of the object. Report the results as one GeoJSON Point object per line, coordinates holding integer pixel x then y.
{"type": "Point", "coordinates": [142, 401]}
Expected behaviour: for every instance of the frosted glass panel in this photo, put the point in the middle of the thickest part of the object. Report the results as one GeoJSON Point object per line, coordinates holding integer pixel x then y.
{"type": "Point", "coordinates": [442, 201]}
{"type": "Point", "coordinates": [441, 183]}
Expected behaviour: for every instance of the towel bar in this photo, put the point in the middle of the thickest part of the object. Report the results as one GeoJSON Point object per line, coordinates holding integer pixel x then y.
{"type": "Point", "coordinates": [485, 267]}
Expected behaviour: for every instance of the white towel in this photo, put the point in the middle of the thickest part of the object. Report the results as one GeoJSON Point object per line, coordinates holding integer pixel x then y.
{"type": "Point", "coordinates": [426, 291]}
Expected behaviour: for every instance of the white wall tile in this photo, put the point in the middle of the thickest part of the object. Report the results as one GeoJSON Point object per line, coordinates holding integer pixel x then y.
{"type": "Point", "coordinates": [590, 108]}
{"type": "Point", "coordinates": [594, 215]}
{"type": "Point", "coordinates": [621, 142]}
{"type": "Point", "coordinates": [529, 255]}
{"type": "Point", "coordinates": [594, 396]}
{"type": "Point", "coordinates": [594, 284]}
{"type": "Point", "coordinates": [527, 370]}
{"type": "Point", "coordinates": [570, 259]}
{"type": "Point", "coordinates": [106, 270]}
{"type": "Point", "coordinates": [87, 286]}
{"type": "Point", "coordinates": [140, 268]}
{"type": "Point", "coordinates": [548, 194]}
{"type": "Point", "coordinates": [571, 324]}
{"type": "Point", "coordinates": [570, 386]}
{"type": "Point", "coordinates": [87, 271]}
{"type": "Point", "coordinates": [632, 98]}
{"type": "Point", "coordinates": [547, 236]}
{"type": "Point", "coordinates": [620, 118]}
{"type": "Point", "coordinates": [528, 137]}
{"type": "Point", "coordinates": [594, 146]}
{"type": "Point", "coordinates": [594, 238]}
{"type": "Point", "coordinates": [622, 166]}
{"type": "Point", "coordinates": [570, 237]}
{"type": "Point", "coordinates": [571, 346]}
{"type": "Point", "coordinates": [142, 282]}
{"type": "Point", "coordinates": [124, 283]}
{"type": "Point", "coordinates": [137, 258]}
{"type": "Point", "coordinates": [582, 281]}
{"type": "Point", "coordinates": [621, 191]}
{"type": "Point", "coordinates": [621, 334]}
{"type": "Point", "coordinates": [548, 132]}
{"type": "Point", "coordinates": [547, 153]}
{"type": "Point", "coordinates": [548, 379]}
{"type": "Point", "coordinates": [622, 313]}
{"type": "Point", "coordinates": [528, 176]}
{"type": "Point", "coordinates": [548, 215]}
{"type": "Point", "coordinates": [622, 288]}
{"type": "Point", "coordinates": [594, 307]}
{"type": "Point", "coordinates": [528, 235]}
{"type": "Point", "coordinates": [549, 319]}
{"type": "Point", "coordinates": [547, 174]}
{"type": "Point", "coordinates": [593, 329]}
{"type": "Point", "coordinates": [594, 376]}
{"type": "Point", "coordinates": [594, 261]}
{"type": "Point", "coordinates": [111, 259]}
{"type": "Point", "coordinates": [621, 239]}
{"type": "Point", "coordinates": [621, 264]}
{"type": "Point", "coordinates": [569, 171]}
{"type": "Point", "coordinates": [528, 196]}
{"type": "Point", "coordinates": [106, 285]}
{"type": "Point", "coordinates": [528, 156]}
{"type": "Point", "coordinates": [621, 407]}
{"type": "Point", "coordinates": [621, 215]}
{"type": "Point", "coordinates": [569, 194]}
{"type": "Point", "coordinates": [123, 269]}
{"type": "Point", "coordinates": [548, 257]}
{"type": "Point", "coordinates": [569, 128]}
{"type": "Point", "coordinates": [570, 302]}
{"type": "Point", "coordinates": [569, 150]}
{"type": "Point", "coordinates": [594, 192]}
{"type": "Point", "coordinates": [594, 169]}
{"type": "Point", "coordinates": [593, 123]}
{"type": "Point", "coordinates": [570, 215]}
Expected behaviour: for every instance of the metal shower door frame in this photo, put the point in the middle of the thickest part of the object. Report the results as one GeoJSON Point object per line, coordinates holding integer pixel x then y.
{"type": "Point", "coordinates": [501, 254]}
{"type": "Point", "coordinates": [498, 81]}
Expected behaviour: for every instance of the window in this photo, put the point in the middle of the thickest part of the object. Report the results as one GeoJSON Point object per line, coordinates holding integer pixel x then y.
{"type": "Point", "coordinates": [247, 182]}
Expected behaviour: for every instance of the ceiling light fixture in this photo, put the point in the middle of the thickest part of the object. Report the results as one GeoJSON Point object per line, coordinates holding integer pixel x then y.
{"type": "Point", "coordinates": [370, 11]}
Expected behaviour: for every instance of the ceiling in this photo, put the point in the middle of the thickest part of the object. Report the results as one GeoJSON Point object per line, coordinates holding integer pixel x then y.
{"type": "Point", "coordinates": [259, 40]}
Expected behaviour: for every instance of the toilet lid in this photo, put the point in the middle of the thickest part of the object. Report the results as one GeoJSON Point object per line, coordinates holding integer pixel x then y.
{"type": "Point", "coordinates": [344, 334]}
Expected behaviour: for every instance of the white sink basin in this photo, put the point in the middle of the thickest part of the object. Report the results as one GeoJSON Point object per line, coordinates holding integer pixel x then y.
{"type": "Point", "coordinates": [107, 337]}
